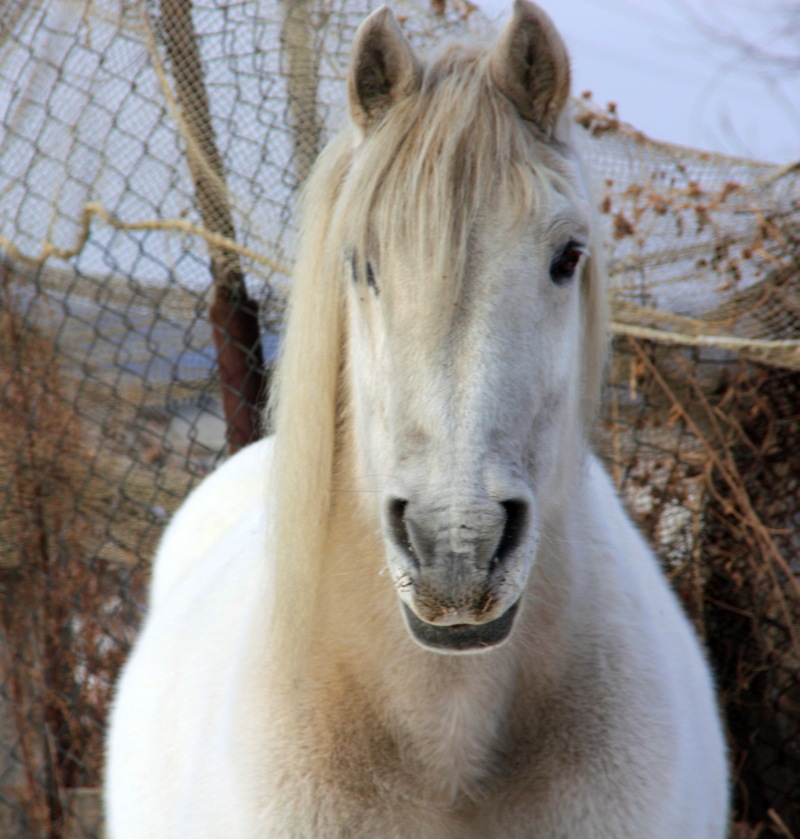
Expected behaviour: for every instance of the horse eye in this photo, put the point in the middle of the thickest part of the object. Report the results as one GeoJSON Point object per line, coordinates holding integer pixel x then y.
{"type": "Point", "coordinates": [563, 267]}
{"type": "Point", "coordinates": [371, 281]}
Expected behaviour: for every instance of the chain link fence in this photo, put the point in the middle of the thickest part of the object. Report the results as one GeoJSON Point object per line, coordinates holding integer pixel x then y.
{"type": "Point", "coordinates": [151, 155]}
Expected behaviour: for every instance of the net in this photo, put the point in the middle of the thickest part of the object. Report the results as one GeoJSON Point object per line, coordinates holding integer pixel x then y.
{"type": "Point", "coordinates": [151, 156]}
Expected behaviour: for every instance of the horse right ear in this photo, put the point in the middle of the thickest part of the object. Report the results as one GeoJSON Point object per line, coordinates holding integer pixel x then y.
{"type": "Point", "coordinates": [383, 69]}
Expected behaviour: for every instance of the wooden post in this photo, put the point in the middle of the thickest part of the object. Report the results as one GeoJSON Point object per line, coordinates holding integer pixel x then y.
{"type": "Point", "coordinates": [233, 313]}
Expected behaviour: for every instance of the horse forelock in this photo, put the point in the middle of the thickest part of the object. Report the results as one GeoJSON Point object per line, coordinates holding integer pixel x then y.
{"type": "Point", "coordinates": [440, 161]}
{"type": "Point", "coordinates": [439, 158]}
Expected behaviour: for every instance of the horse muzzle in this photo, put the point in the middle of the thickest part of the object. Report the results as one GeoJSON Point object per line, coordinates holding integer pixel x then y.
{"type": "Point", "coordinates": [458, 571]}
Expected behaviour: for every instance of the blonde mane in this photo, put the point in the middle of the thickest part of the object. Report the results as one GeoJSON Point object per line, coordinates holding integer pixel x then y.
{"type": "Point", "coordinates": [411, 190]}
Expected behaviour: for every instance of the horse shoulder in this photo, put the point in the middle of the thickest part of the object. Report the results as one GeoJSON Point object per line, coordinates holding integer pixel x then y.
{"type": "Point", "coordinates": [669, 682]}
{"type": "Point", "coordinates": [169, 757]}
{"type": "Point", "coordinates": [211, 509]}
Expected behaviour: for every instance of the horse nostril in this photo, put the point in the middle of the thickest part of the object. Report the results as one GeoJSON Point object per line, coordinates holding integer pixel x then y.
{"type": "Point", "coordinates": [514, 529]}
{"type": "Point", "coordinates": [396, 520]}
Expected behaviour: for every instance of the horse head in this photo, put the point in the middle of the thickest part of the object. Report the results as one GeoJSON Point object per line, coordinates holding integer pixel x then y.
{"type": "Point", "coordinates": [473, 314]}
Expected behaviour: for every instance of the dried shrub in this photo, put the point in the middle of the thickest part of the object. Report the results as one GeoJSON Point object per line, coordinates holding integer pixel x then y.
{"type": "Point", "coordinates": [66, 617]}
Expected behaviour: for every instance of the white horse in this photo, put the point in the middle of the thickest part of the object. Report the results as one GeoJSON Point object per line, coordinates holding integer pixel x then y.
{"type": "Point", "coordinates": [420, 611]}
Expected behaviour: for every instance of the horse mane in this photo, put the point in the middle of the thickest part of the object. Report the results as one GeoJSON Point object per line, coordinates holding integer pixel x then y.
{"type": "Point", "coordinates": [411, 191]}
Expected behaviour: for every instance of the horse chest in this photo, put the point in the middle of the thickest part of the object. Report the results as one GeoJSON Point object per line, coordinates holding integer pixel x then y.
{"type": "Point", "coordinates": [363, 792]}
{"type": "Point", "coordinates": [355, 774]}
{"type": "Point", "coordinates": [361, 776]}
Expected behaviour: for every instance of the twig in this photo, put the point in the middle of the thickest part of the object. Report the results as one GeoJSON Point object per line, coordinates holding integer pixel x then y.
{"type": "Point", "coordinates": [95, 210]}
{"type": "Point", "coordinates": [729, 474]}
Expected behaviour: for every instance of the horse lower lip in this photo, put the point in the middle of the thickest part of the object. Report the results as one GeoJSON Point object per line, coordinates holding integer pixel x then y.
{"type": "Point", "coordinates": [461, 637]}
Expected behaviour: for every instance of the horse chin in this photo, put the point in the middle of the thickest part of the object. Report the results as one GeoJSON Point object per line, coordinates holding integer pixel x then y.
{"type": "Point", "coordinates": [460, 638]}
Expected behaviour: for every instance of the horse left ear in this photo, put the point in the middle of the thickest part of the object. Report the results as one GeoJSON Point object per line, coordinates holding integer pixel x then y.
{"type": "Point", "coordinates": [383, 69]}
{"type": "Point", "coordinates": [530, 65]}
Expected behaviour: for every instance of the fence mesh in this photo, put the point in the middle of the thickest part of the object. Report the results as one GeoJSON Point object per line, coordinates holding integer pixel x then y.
{"type": "Point", "coordinates": [150, 160]}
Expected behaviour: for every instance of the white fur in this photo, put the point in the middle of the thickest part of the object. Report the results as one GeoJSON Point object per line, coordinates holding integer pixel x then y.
{"type": "Point", "coordinates": [275, 690]}
{"type": "Point", "coordinates": [202, 744]}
